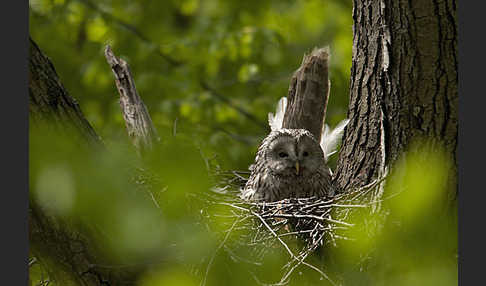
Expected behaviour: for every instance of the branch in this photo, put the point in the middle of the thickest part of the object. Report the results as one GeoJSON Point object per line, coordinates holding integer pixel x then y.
{"type": "Point", "coordinates": [139, 125]}
{"type": "Point", "coordinates": [308, 94]}
{"type": "Point", "coordinates": [132, 29]}
{"type": "Point", "coordinates": [228, 102]}
{"type": "Point", "coordinates": [203, 282]}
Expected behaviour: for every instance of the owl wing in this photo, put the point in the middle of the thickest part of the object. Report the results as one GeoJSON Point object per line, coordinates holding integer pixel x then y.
{"type": "Point", "coordinates": [331, 138]}
{"type": "Point", "coordinates": [276, 121]}
{"type": "Point", "coordinates": [252, 189]}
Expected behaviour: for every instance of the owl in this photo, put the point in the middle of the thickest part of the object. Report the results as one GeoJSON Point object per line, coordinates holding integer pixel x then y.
{"type": "Point", "coordinates": [291, 163]}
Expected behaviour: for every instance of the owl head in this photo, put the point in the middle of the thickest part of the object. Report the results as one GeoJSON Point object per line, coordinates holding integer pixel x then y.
{"type": "Point", "coordinates": [291, 152]}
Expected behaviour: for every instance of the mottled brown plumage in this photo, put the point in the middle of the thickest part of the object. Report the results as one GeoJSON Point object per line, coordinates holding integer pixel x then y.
{"type": "Point", "coordinates": [289, 164]}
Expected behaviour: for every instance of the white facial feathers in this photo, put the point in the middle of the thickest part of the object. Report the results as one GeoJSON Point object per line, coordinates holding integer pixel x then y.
{"type": "Point", "coordinates": [330, 138]}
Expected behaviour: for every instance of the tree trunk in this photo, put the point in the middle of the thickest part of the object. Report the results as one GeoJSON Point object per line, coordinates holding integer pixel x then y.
{"type": "Point", "coordinates": [403, 85]}
{"type": "Point", "coordinates": [53, 239]}
{"type": "Point", "coordinates": [49, 100]}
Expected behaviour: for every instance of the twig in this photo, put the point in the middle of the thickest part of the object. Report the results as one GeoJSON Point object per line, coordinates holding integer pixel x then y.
{"type": "Point", "coordinates": [32, 261]}
{"type": "Point", "coordinates": [228, 102]}
{"type": "Point", "coordinates": [203, 282]}
{"type": "Point", "coordinates": [236, 257]}
{"type": "Point", "coordinates": [276, 236]}
{"type": "Point", "coordinates": [310, 218]}
{"type": "Point", "coordinates": [132, 29]}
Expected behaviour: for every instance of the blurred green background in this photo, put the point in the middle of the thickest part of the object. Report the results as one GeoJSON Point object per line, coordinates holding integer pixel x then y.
{"type": "Point", "coordinates": [200, 66]}
{"type": "Point", "coordinates": [245, 51]}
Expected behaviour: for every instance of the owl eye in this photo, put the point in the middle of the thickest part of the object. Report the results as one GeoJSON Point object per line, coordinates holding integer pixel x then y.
{"type": "Point", "coordinates": [305, 154]}
{"type": "Point", "coordinates": [283, 154]}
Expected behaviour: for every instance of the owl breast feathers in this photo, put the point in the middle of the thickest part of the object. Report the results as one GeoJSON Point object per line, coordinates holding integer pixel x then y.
{"type": "Point", "coordinates": [289, 163]}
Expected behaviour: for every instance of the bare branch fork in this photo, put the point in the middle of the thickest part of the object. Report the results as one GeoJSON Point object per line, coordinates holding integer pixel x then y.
{"type": "Point", "coordinates": [139, 125]}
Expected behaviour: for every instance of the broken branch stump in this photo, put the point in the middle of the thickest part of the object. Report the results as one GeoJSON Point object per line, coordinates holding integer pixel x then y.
{"type": "Point", "coordinates": [139, 125]}
{"type": "Point", "coordinates": [308, 94]}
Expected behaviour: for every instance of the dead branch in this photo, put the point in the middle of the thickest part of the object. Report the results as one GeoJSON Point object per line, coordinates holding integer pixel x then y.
{"type": "Point", "coordinates": [139, 125]}
{"type": "Point", "coordinates": [308, 94]}
{"type": "Point", "coordinates": [173, 62]}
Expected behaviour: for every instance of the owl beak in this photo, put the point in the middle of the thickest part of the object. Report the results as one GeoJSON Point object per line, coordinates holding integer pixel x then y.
{"type": "Point", "coordinates": [297, 167]}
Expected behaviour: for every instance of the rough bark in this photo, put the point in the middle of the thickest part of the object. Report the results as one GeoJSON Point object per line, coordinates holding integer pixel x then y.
{"type": "Point", "coordinates": [65, 246]}
{"type": "Point", "coordinates": [139, 125]}
{"type": "Point", "coordinates": [53, 239]}
{"type": "Point", "coordinates": [308, 94]}
{"type": "Point", "coordinates": [49, 100]}
{"type": "Point", "coordinates": [403, 85]}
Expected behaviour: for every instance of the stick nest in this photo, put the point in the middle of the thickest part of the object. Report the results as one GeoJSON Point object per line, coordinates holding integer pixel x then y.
{"type": "Point", "coordinates": [298, 227]}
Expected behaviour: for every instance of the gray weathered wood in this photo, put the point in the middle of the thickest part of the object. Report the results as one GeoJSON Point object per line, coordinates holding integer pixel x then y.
{"type": "Point", "coordinates": [308, 94]}
{"type": "Point", "coordinates": [139, 125]}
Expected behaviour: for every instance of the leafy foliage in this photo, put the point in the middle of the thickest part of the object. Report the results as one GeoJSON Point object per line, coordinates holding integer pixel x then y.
{"type": "Point", "coordinates": [186, 55]}
{"type": "Point", "coordinates": [200, 66]}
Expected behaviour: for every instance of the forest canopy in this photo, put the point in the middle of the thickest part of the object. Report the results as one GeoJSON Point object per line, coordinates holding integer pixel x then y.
{"type": "Point", "coordinates": [209, 72]}
{"type": "Point", "coordinates": [195, 62]}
